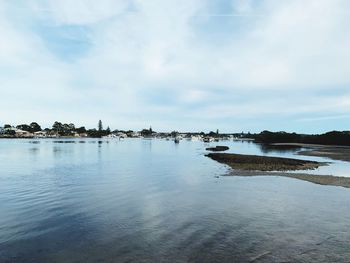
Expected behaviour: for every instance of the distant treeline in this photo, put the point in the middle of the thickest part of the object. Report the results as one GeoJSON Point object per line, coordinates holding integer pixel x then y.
{"type": "Point", "coordinates": [70, 130]}
{"type": "Point", "coordinates": [329, 138]}
{"type": "Point", "coordinates": [58, 128]}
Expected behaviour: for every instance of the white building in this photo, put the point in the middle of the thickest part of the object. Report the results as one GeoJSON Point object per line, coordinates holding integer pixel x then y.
{"type": "Point", "coordinates": [40, 134]}
{"type": "Point", "coordinates": [121, 135]}
{"type": "Point", "coordinates": [21, 133]}
{"type": "Point", "coordinates": [134, 134]}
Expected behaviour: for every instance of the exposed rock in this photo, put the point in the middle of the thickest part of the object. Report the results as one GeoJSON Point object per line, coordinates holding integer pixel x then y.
{"type": "Point", "coordinates": [218, 148]}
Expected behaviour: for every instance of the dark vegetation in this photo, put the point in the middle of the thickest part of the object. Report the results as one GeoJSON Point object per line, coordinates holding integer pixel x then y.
{"type": "Point", "coordinates": [33, 127]}
{"type": "Point", "coordinates": [329, 138]}
{"type": "Point", "coordinates": [147, 132]}
{"type": "Point", "coordinates": [64, 129]}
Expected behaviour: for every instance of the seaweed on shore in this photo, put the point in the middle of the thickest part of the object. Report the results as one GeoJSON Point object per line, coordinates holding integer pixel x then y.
{"type": "Point", "coordinates": [263, 163]}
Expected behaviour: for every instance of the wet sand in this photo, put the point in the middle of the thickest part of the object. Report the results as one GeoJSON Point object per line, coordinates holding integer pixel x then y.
{"type": "Point", "coordinates": [252, 165]}
{"type": "Point", "coordinates": [341, 153]}
{"type": "Point", "coordinates": [334, 153]}
{"type": "Point", "coordinates": [317, 179]}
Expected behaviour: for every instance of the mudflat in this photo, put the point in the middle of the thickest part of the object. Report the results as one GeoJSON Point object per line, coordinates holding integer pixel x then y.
{"type": "Point", "coordinates": [253, 165]}
{"type": "Point", "coordinates": [341, 153]}
{"type": "Point", "coordinates": [312, 178]}
{"type": "Point", "coordinates": [263, 163]}
{"type": "Point", "coordinates": [332, 152]}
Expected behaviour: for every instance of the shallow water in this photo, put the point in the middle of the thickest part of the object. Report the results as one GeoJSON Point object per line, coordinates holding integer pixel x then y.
{"type": "Point", "coordinates": [154, 201]}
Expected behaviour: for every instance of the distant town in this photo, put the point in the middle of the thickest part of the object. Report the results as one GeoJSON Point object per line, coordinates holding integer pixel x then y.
{"type": "Point", "coordinates": [69, 130]}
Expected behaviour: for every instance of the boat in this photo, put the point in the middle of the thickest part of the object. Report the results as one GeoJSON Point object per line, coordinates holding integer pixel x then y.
{"type": "Point", "coordinates": [207, 139]}
{"type": "Point", "coordinates": [196, 138]}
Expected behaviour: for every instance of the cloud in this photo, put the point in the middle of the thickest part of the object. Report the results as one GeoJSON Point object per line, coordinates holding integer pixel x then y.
{"type": "Point", "coordinates": [79, 12]}
{"type": "Point", "coordinates": [131, 62]}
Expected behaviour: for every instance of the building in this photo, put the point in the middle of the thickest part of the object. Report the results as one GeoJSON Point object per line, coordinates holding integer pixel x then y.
{"type": "Point", "coordinates": [133, 134]}
{"type": "Point", "coordinates": [40, 134]}
{"type": "Point", "coordinates": [84, 134]}
{"type": "Point", "coordinates": [121, 135]}
{"type": "Point", "coordinates": [23, 134]}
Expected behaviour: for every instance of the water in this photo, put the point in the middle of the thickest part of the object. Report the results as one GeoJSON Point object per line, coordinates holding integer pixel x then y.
{"type": "Point", "coordinates": [154, 201]}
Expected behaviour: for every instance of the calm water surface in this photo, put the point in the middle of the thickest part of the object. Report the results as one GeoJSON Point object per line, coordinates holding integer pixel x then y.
{"type": "Point", "coordinates": [153, 201]}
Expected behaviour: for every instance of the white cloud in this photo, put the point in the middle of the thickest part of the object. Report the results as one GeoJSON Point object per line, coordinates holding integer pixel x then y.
{"type": "Point", "coordinates": [170, 46]}
{"type": "Point", "coordinates": [78, 12]}
{"type": "Point", "coordinates": [243, 6]}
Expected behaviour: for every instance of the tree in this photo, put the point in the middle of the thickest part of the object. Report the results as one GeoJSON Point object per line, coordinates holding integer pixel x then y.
{"type": "Point", "coordinates": [10, 132]}
{"type": "Point", "coordinates": [57, 127]}
{"type": "Point", "coordinates": [35, 127]}
{"type": "Point", "coordinates": [71, 127]}
{"type": "Point", "coordinates": [93, 133]}
{"type": "Point", "coordinates": [66, 129]}
{"type": "Point", "coordinates": [146, 132]}
{"type": "Point", "coordinates": [7, 126]}
{"type": "Point", "coordinates": [24, 127]}
{"type": "Point", "coordinates": [108, 130]}
{"type": "Point", "coordinates": [174, 133]}
{"type": "Point", "coordinates": [100, 126]}
{"type": "Point", "coordinates": [212, 134]}
{"type": "Point", "coordinates": [81, 130]}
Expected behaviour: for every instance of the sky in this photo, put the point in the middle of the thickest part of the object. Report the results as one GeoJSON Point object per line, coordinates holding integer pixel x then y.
{"type": "Point", "coordinates": [187, 65]}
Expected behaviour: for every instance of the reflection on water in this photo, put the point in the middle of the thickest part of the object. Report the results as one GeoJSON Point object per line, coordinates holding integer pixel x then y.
{"type": "Point", "coordinates": [268, 148]}
{"type": "Point", "coordinates": [155, 201]}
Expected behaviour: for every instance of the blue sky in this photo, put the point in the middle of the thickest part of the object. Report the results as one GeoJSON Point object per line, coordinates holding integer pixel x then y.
{"type": "Point", "coordinates": [190, 65]}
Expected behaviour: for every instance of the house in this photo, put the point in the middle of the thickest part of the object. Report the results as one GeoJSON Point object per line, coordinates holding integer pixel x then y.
{"type": "Point", "coordinates": [23, 134]}
{"type": "Point", "coordinates": [121, 135]}
{"type": "Point", "coordinates": [9, 129]}
{"type": "Point", "coordinates": [40, 134]}
{"type": "Point", "coordinates": [84, 134]}
{"type": "Point", "coordinates": [110, 136]}
{"type": "Point", "coordinates": [133, 134]}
